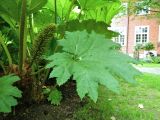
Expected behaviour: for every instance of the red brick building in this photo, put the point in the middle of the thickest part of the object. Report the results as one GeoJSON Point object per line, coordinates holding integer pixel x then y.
{"type": "Point", "coordinates": [137, 29]}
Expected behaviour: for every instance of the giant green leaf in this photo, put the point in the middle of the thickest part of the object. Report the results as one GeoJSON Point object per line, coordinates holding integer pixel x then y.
{"type": "Point", "coordinates": [90, 59]}
{"type": "Point", "coordinates": [35, 5]}
{"type": "Point", "coordinates": [39, 16]}
{"type": "Point", "coordinates": [8, 93]}
{"type": "Point", "coordinates": [105, 13]}
{"type": "Point", "coordinates": [63, 7]}
{"type": "Point", "coordinates": [91, 4]}
{"type": "Point", "coordinates": [10, 8]}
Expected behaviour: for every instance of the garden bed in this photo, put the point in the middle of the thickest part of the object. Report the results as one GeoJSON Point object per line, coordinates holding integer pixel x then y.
{"type": "Point", "coordinates": [45, 111]}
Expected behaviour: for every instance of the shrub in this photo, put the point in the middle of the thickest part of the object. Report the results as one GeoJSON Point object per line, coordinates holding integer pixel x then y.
{"type": "Point", "coordinates": [148, 46]}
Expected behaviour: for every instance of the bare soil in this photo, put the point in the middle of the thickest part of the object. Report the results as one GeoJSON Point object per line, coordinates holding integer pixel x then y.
{"type": "Point", "coordinates": [45, 111]}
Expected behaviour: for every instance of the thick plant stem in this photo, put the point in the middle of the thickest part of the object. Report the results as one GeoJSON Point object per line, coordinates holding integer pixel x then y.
{"type": "Point", "coordinates": [22, 35]}
{"type": "Point", "coordinates": [6, 51]}
{"type": "Point", "coordinates": [3, 68]}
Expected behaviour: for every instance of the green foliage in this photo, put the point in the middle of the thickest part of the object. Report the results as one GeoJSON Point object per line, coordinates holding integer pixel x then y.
{"type": "Point", "coordinates": [4, 45]}
{"type": "Point", "coordinates": [63, 7]}
{"type": "Point", "coordinates": [8, 93]}
{"type": "Point", "coordinates": [148, 46]}
{"type": "Point", "coordinates": [41, 41]}
{"type": "Point", "coordinates": [91, 58]}
{"type": "Point", "coordinates": [155, 4]}
{"type": "Point", "coordinates": [39, 16]}
{"type": "Point", "coordinates": [35, 5]}
{"type": "Point", "coordinates": [104, 11]}
{"type": "Point", "coordinates": [10, 8]}
{"type": "Point", "coordinates": [91, 4]}
{"type": "Point", "coordinates": [89, 25]}
{"type": "Point", "coordinates": [117, 46]}
{"type": "Point", "coordinates": [92, 61]}
{"type": "Point", "coordinates": [55, 96]}
{"type": "Point", "coordinates": [99, 10]}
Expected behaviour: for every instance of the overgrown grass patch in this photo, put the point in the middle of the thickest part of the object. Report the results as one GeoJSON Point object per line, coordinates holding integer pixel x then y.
{"type": "Point", "coordinates": [125, 106]}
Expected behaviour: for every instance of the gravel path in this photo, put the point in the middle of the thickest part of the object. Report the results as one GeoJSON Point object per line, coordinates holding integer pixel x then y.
{"type": "Point", "coordinates": [148, 70]}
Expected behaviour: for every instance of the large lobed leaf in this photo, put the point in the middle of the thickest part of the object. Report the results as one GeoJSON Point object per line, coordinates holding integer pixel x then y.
{"type": "Point", "coordinates": [89, 25]}
{"type": "Point", "coordinates": [100, 10]}
{"type": "Point", "coordinates": [104, 13]}
{"type": "Point", "coordinates": [63, 7]}
{"type": "Point", "coordinates": [35, 5]}
{"type": "Point", "coordinates": [10, 10]}
{"type": "Point", "coordinates": [39, 16]}
{"type": "Point", "coordinates": [8, 93]}
{"type": "Point", "coordinates": [91, 4]}
{"type": "Point", "coordinates": [92, 61]}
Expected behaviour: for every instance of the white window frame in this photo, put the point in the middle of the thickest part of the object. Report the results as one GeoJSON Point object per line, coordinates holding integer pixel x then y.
{"type": "Point", "coordinates": [148, 31]}
{"type": "Point", "coordinates": [122, 31]}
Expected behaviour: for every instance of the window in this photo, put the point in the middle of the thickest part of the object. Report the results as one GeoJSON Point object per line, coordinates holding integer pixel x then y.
{"type": "Point", "coordinates": [142, 34]}
{"type": "Point", "coordinates": [121, 39]}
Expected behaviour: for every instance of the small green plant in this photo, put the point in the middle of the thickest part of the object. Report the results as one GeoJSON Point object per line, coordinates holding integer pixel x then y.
{"type": "Point", "coordinates": [55, 96]}
{"type": "Point", "coordinates": [8, 93]}
{"type": "Point", "coordinates": [90, 59]}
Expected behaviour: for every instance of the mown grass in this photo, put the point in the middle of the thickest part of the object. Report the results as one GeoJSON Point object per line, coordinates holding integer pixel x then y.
{"type": "Point", "coordinates": [149, 65]}
{"type": "Point", "coordinates": [125, 105]}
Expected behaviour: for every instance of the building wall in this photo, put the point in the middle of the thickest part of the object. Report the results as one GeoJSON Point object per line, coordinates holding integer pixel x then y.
{"type": "Point", "coordinates": [154, 32]}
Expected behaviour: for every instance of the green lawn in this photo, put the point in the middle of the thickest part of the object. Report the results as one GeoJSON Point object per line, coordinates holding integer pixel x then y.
{"type": "Point", "coordinates": [125, 105]}
{"type": "Point", "coordinates": [149, 65]}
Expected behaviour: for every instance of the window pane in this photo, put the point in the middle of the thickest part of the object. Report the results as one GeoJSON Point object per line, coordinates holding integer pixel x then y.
{"type": "Point", "coordinates": [122, 39]}
{"type": "Point", "coordinates": [144, 30]}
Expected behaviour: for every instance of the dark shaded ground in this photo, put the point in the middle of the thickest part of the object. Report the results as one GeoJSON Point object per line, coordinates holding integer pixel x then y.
{"type": "Point", "coordinates": [46, 111]}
